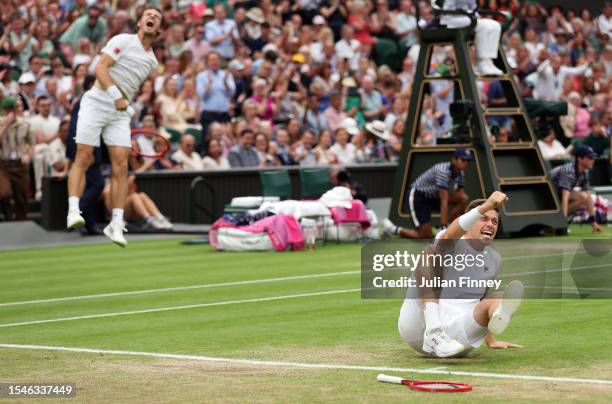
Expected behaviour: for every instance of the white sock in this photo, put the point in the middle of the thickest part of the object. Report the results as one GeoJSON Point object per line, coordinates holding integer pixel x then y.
{"type": "Point", "coordinates": [160, 216]}
{"type": "Point", "coordinates": [118, 215]}
{"type": "Point", "coordinates": [432, 316]}
{"type": "Point", "coordinates": [149, 219]}
{"type": "Point", "coordinates": [73, 203]}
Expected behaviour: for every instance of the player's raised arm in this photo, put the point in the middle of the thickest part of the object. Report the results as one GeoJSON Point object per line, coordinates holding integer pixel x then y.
{"type": "Point", "coordinates": [462, 224]}
{"type": "Point", "coordinates": [107, 83]}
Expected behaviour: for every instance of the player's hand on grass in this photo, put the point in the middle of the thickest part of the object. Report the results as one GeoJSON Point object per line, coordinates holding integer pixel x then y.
{"type": "Point", "coordinates": [495, 200]}
{"type": "Point", "coordinates": [596, 227]}
{"type": "Point", "coordinates": [502, 345]}
{"type": "Point", "coordinates": [121, 104]}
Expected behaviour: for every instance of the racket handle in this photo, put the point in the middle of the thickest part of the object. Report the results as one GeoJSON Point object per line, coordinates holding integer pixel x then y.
{"type": "Point", "coordinates": [130, 111]}
{"type": "Point", "coordinates": [389, 379]}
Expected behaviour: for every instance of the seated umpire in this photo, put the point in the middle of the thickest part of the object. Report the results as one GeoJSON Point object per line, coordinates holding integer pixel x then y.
{"type": "Point", "coordinates": [572, 183]}
{"type": "Point", "coordinates": [434, 190]}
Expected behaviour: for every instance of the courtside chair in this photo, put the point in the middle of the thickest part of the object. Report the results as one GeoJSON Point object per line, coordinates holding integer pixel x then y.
{"type": "Point", "coordinates": [175, 135]}
{"type": "Point", "coordinates": [314, 182]}
{"type": "Point", "coordinates": [195, 132]}
{"type": "Point", "coordinates": [275, 183]}
{"type": "Point", "coordinates": [387, 52]}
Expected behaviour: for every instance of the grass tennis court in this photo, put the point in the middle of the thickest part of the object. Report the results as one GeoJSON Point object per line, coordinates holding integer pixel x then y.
{"type": "Point", "coordinates": [301, 307]}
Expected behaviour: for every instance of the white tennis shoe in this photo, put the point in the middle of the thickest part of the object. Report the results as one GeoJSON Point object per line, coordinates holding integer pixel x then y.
{"type": "Point", "coordinates": [114, 231]}
{"type": "Point", "coordinates": [74, 220]}
{"type": "Point", "coordinates": [510, 303]}
{"type": "Point", "coordinates": [436, 341]}
{"type": "Point", "coordinates": [486, 67]}
{"type": "Point", "coordinates": [388, 229]}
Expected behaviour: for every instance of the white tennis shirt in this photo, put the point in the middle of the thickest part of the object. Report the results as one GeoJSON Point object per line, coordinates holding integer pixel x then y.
{"type": "Point", "coordinates": [132, 63]}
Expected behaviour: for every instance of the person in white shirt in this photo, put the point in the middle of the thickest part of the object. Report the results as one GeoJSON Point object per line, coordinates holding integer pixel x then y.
{"type": "Point", "coordinates": [551, 148]}
{"type": "Point", "coordinates": [344, 151]}
{"type": "Point", "coordinates": [348, 47]}
{"type": "Point", "coordinates": [551, 75]}
{"type": "Point", "coordinates": [533, 45]}
{"type": "Point", "coordinates": [186, 155]}
{"type": "Point", "coordinates": [604, 21]}
{"type": "Point", "coordinates": [45, 128]}
{"type": "Point", "coordinates": [124, 63]}
{"type": "Point", "coordinates": [215, 160]}
{"type": "Point", "coordinates": [406, 24]}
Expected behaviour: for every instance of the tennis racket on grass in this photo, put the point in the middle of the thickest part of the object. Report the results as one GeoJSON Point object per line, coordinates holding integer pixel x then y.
{"type": "Point", "coordinates": [430, 386]}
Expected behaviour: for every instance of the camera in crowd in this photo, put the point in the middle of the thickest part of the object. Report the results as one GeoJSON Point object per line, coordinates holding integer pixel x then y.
{"type": "Point", "coordinates": [462, 112]}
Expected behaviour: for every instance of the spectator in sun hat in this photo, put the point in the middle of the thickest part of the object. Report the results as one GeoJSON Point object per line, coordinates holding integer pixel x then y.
{"type": "Point", "coordinates": [379, 144]}
{"type": "Point", "coordinates": [252, 35]}
{"type": "Point", "coordinates": [16, 150]}
{"type": "Point", "coordinates": [26, 91]}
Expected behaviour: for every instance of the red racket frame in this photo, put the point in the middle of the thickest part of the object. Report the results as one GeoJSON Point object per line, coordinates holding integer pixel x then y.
{"type": "Point", "coordinates": [418, 385]}
{"type": "Point", "coordinates": [137, 152]}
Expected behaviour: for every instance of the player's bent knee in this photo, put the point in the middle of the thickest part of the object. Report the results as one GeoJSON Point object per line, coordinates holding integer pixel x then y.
{"type": "Point", "coordinates": [584, 197]}
{"type": "Point", "coordinates": [84, 158]}
{"type": "Point", "coordinates": [120, 169]}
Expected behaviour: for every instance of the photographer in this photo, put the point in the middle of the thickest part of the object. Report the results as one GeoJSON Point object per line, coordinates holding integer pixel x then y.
{"type": "Point", "coordinates": [16, 147]}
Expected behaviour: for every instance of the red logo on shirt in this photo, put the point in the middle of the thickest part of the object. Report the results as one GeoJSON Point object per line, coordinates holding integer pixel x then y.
{"type": "Point", "coordinates": [116, 50]}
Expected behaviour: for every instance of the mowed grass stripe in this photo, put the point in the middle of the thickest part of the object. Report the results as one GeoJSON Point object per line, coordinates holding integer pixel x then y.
{"type": "Point", "coordinates": [186, 307]}
{"type": "Point", "coordinates": [203, 267]}
{"type": "Point", "coordinates": [129, 257]}
{"type": "Point", "coordinates": [180, 288]}
{"type": "Point", "coordinates": [174, 255]}
{"type": "Point", "coordinates": [93, 251]}
{"type": "Point", "coordinates": [23, 313]}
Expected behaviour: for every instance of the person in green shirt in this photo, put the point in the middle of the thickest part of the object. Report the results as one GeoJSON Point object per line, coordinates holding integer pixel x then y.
{"type": "Point", "coordinates": [598, 139]}
{"type": "Point", "coordinates": [91, 26]}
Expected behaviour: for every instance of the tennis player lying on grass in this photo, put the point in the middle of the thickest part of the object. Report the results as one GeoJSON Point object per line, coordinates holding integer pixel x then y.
{"type": "Point", "coordinates": [444, 321]}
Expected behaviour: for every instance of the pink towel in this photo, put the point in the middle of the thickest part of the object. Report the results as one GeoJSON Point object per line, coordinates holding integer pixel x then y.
{"type": "Point", "coordinates": [283, 231]}
{"type": "Point", "coordinates": [356, 214]}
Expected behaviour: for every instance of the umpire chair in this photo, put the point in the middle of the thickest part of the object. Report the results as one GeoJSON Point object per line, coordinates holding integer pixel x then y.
{"type": "Point", "coordinates": [515, 168]}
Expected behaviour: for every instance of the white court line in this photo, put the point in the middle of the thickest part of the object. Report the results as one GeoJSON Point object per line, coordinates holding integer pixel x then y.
{"type": "Point", "coordinates": [309, 365]}
{"type": "Point", "coordinates": [191, 306]}
{"type": "Point", "coordinates": [545, 271]}
{"type": "Point", "coordinates": [236, 283]}
{"type": "Point", "coordinates": [189, 287]}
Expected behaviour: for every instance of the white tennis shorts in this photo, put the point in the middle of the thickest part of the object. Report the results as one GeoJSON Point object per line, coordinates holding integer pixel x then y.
{"type": "Point", "coordinates": [98, 117]}
{"type": "Point", "coordinates": [457, 320]}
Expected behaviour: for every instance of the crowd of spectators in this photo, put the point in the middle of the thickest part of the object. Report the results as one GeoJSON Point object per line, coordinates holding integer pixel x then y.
{"type": "Point", "coordinates": [244, 83]}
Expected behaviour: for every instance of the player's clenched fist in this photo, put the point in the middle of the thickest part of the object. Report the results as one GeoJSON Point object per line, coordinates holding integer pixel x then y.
{"type": "Point", "coordinates": [121, 104]}
{"type": "Point", "coordinates": [495, 200]}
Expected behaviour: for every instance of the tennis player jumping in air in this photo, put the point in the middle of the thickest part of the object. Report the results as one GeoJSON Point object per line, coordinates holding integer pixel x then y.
{"type": "Point", "coordinates": [445, 322]}
{"type": "Point", "coordinates": [124, 63]}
